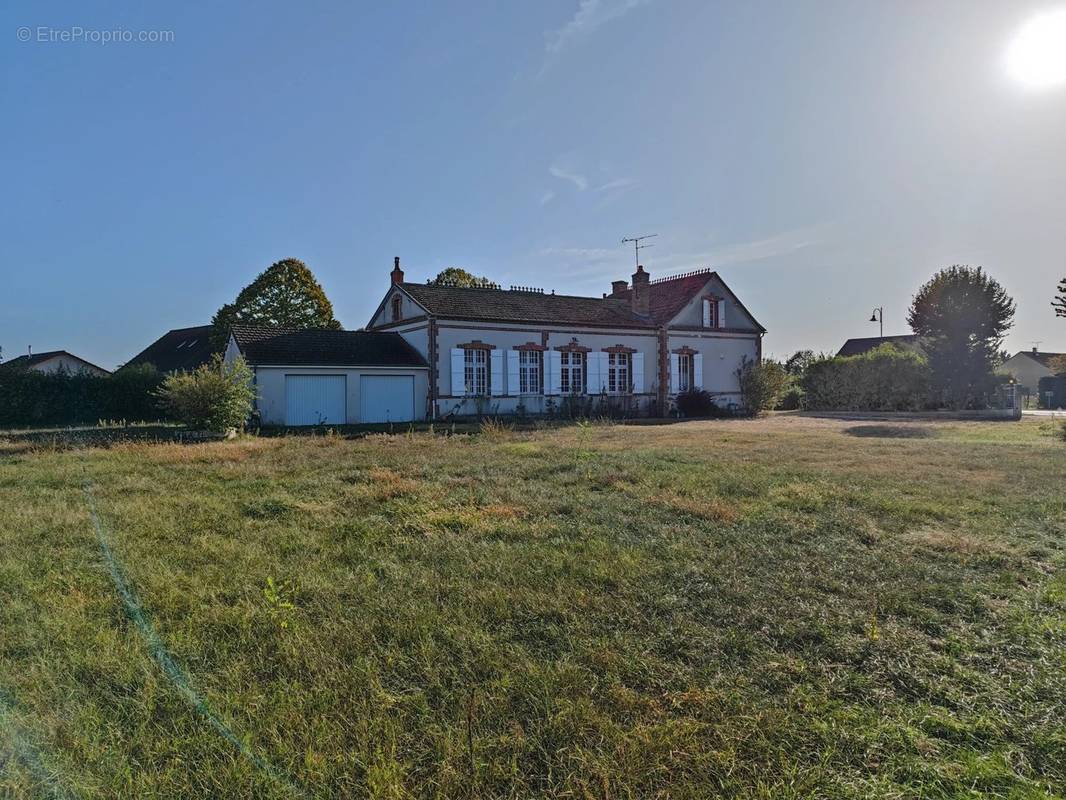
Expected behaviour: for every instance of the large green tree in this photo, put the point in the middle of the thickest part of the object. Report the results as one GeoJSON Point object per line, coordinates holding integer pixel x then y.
{"type": "Point", "coordinates": [1059, 302]}
{"type": "Point", "coordinates": [962, 315]}
{"type": "Point", "coordinates": [285, 295]}
{"type": "Point", "coordinates": [454, 276]}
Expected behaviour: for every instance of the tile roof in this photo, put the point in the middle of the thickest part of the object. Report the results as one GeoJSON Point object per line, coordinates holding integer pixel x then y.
{"type": "Point", "coordinates": [262, 345]}
{"type": "Point", "coordinates": [33, 359]}
{"type": "Point", "coordinates": [668, 296]}
{"type": "Point", "coordinates": [855, 347]}
{"type": "Point", "coordinates": [179, 350]}
{"type": "Point", "coordinates": [520, 306]}
{"type": "Point", "coordinates": [1041, 356]}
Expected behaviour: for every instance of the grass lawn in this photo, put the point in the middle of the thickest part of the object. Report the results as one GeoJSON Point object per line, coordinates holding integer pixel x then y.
{"type": "Point", "coordinates": [764, 609]}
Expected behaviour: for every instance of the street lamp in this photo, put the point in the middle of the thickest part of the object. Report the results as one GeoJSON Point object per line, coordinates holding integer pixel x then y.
{"type": "Point", "coordinates": [879, 316]}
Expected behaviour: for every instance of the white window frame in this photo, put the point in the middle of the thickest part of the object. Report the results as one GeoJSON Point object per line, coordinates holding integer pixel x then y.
{"type": "Point", "coordinates": [619, 372]}
{"type": "Point", "coordinates": [476, 371]}
{"type": "Point", "coordinates": [530, 371]}
{"type": "Point", "coordinates": [686, 378]}
{"type": "Point", "coordinates": [572, 372]}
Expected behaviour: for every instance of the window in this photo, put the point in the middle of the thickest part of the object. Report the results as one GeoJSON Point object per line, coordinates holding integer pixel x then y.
{"type": "Point", "coordinates": [685, 380]}
{"type": "Point", "coordinates": [617, 373]}
{"type": "Point", "coordinates": [710, 312]}
{"type": "Point", "coordinates": [397, 308]}
{"type": "Point", "coordinates": [529, 371]}
{"type": "Point", "coordinates": [476, 371]}
{"type": "Point", "coordinates": [572, 372]}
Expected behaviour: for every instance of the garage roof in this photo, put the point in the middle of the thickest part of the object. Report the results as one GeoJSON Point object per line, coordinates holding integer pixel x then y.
{"type": "Point", "coordinates": [262, 346]}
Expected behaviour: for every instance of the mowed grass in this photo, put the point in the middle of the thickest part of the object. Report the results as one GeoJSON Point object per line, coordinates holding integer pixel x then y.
{"type": "Point", "coordinates": [759, 609]}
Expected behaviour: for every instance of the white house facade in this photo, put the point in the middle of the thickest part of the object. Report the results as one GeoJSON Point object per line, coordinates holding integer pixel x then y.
{"type": "Point", "coordinates": [499, 351]}
{"type": "Point", "coordinates": [1027, 367]}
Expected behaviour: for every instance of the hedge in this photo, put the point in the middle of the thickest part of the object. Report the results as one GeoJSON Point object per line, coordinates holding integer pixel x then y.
{"type": "Point", "coordinates": [30, 398]}
{"type": "Point", "coordinates": [1056, 384]}
{"type": "Point", "coordinates": [888, 378]}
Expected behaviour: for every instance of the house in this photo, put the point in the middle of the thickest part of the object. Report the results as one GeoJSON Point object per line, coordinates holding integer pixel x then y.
{"type": "Point", "coordinates": [1027, 367]}
{"type": "Point", "coordinates": [332, 377]}
{"type": "Point", "coordinates": [179, 350]}
{"type": "Point", "coordinates": [57, 361]}
{"type": "Point", "coordinates": [503, 351]}
{"type": "Point", "coordinates": [856, 347]}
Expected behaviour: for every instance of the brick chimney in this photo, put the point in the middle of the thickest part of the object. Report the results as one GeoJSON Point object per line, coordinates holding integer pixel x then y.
{"type": "Point", "coordinates": [397, 273]}
{"type": "Point", "coordinates": [640, 297]}
{"type": "Point", "coordinates": [618, 288]}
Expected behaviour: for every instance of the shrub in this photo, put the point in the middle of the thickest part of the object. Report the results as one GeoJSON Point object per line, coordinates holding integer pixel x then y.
{"type": "Point", "coordinates": [215, 397]}
{"type": "Point", "coordinates": [698, 403]}
{"type": "Point", "coordinates": [761, 385]}
{"type": "Point", "coordinates": [888, 378]}
{"type": "Point", "coordinates": [32, 398]}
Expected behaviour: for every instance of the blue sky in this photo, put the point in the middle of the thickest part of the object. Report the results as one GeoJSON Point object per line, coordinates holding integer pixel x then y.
{"type": "Point", "coordinates": [825, 157]}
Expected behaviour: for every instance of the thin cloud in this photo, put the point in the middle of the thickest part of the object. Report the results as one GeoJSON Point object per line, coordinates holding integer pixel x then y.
{"type": "Point", "coordinates": [591, 15]}
{"type": "Point", "coordinates": [617, 183]}
{"type": "Point", "coordinates": [576, 178]}
{"type": "Point", "coordinates": [547, 197]}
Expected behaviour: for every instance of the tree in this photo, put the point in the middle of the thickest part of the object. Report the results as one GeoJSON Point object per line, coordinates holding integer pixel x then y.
{"type": "Point", "coordinates": [285, 295]}
{"type": "Point", "coordinates": [454, 276]}
{"type": "Point", "coordinates": [1057, 364]}
{"type": "Point", "coordinates": [798, 362]}
{"type": "Point", "coordinates": [761, 385]}
{"type": "Point", "coordinates": [962, 315]}
{"type": "Point", "coordinates": [1059, 303]}
{"type": "Point", "coordinates": [215, 396]}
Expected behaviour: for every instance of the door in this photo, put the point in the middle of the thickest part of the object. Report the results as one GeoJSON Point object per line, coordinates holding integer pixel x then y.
{"type": "Point", "coordinates": [315, 399]}
{"type": "Point", "coordinates": [387, 398]}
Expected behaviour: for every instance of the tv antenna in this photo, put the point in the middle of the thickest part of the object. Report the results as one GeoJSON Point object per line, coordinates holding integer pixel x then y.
{"type": "Point", "coordinates": [637, 246]}
{"type": "Point", "coordinates": [1036, 343]}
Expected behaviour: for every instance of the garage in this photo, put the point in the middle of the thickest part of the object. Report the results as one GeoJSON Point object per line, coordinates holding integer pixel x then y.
{"type": "Point", "coordinates": [387, 398]}
{"type": "Point", "coordinates": [316, 399]}
{"type": "Point", "coordinates": [308, 378]}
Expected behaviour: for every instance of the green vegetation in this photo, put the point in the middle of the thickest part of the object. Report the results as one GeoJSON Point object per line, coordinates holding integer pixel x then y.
{"type": "Point", "coordinates": [216, 396]}
{"type": "Point", "coordinates": [784, 607]}
{"type": "Point", "coordinates": [887, 378]}
{"type": "Point", "coordinates": [762, 385]}
{"type": "Point", "coordinates": [32, 398]}
{"type": "Point", "coordinates": [456, 276]}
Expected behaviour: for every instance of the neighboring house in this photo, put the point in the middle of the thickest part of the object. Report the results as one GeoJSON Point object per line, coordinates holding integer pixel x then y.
{"type": "Point", "coordinates": [501, 351]}
{"type": "Point", "coordinates": [179, 350]}
{"type": "Point", "coordinates": [330, 377]}
{"type": "Point", "coordinates": [1027, 367]}
{"type": "Point", "coordinates": [856, 347]}
{"type": "Point", "coordinates": [57, 361]}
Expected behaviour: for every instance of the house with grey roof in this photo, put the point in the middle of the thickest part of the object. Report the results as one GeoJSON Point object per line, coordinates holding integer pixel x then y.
{"type": "Point", "coordinates": [179, 350]}
{"type": "Point", "coordinates": [493, 350]}
{"type": "Point", "coordinates": [1027, 367]}
{"type": "Point", "coordinates": [864, 344]}
{"type": "Point", "coordinates": [54, 361]}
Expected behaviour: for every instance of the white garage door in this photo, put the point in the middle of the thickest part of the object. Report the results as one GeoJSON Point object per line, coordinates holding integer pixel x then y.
{"type": "Point", "coordinates": [387, 398]}
{"type": "Point", "coordinates": [315, 399]}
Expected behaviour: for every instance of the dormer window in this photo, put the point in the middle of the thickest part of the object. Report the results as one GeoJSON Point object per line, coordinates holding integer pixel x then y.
{"type": "Point", "coordinates": [397, 308]}
{"type": "Point", "coordinates": [712, 317]}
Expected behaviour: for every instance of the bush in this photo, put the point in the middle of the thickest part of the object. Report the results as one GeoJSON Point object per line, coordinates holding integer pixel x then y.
{"type": "Point", "coordinates": [888, 378]}
{"type": "Point", "coordinates": [698, 403]}
{"type": "Point", "coordinates": [1055, 384]}
{"type": "Point", "coordinates": [762, 383]}
{"type": "Point", "coordinates": [214, 397]}
{"type": "Point", "coordinates": [34, 399]}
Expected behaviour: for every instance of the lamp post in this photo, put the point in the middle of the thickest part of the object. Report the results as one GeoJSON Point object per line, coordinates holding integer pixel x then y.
{"type": "Point", "coordinates": [879, 316]}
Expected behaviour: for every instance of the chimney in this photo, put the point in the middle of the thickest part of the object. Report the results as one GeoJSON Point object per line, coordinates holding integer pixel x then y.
{"type": "Point", "coordinates": [397, 273]}
{"type": "Point", "coordinates": [1035, 351]}
{"type": "Point", "coordinates": [640, 297]}
{"type": "Point", "coordinates": [618, 288]}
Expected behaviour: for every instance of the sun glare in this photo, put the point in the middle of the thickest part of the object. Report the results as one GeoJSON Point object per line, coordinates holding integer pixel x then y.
{"type": "Point", "coordinates": [1036, 56]}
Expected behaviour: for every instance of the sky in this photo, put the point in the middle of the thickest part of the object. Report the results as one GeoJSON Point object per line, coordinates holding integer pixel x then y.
{"type": "Point", "coordinates": [825, 157]}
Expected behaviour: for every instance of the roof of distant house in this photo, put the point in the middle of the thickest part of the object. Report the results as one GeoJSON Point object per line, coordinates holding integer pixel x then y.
{"type": "Point", "coordinates": [179, 350]}
{"type": "Point", "coordinates": [1039, 355]}
{"type": "Point", "coordinates": [262, 345]}
{"type": "Point", "coordinates": [33, 359]}
{"type": "Point", "coordinates": [856, 347]}
{"type": "Point", "coordinates": [667, 297]}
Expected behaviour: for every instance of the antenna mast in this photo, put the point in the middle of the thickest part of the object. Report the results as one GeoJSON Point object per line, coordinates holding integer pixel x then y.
{"type": "Point", "coordinates": [637, 246]}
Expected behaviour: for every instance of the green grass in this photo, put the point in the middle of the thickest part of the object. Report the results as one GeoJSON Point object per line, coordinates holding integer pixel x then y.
{"type": "Point", "coordinates": [768, 609]}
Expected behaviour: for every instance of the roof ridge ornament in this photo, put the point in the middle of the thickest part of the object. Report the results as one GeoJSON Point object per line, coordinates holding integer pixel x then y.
{"type": "Point", "coordinates": [693, 273]}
